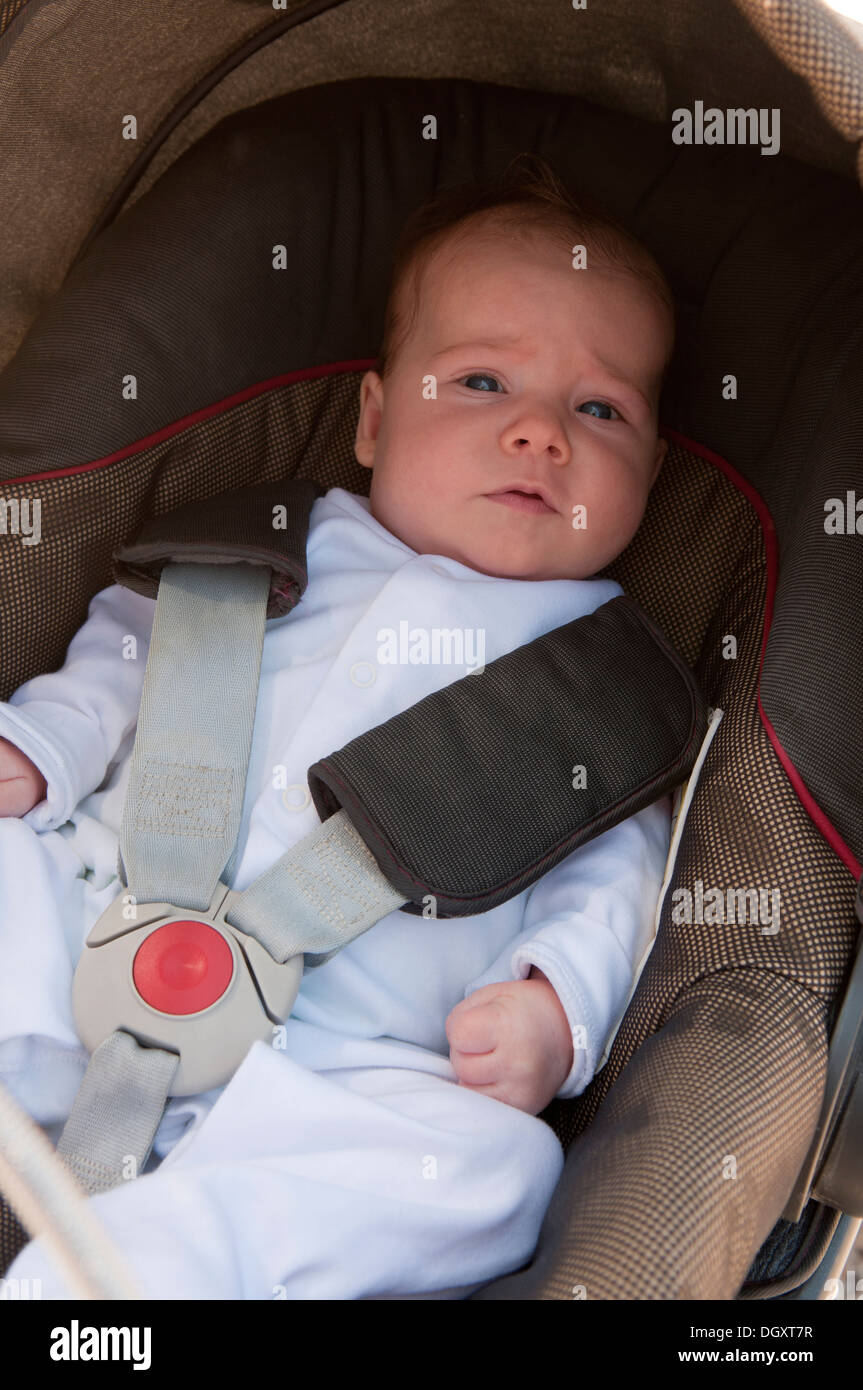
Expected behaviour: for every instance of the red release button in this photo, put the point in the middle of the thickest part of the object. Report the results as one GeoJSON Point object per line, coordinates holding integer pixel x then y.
{"type": "Point", "coordinates": [183, 967]}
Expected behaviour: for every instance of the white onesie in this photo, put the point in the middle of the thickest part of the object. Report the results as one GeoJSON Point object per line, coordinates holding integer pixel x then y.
{"type": "Point", "coordinates": [341, 1162]}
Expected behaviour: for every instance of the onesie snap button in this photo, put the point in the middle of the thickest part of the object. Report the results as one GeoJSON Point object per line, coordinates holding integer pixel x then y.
{"type": "Point", "coordinates": [363, 673]}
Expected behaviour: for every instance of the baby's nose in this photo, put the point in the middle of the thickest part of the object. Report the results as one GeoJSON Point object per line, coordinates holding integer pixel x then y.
{"type": "Point", "coordinates": [538, 435]}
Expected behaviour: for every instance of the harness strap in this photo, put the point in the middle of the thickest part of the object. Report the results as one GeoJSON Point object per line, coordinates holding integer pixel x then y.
{"type": "Point", "coordinates": [325, 891]}
{"type": "Point", "coordinates": [110, 1131]}
{"type": "Point", "coordinates": [187, 777]}
{"type": "Point", "coordinates": [181, 817]}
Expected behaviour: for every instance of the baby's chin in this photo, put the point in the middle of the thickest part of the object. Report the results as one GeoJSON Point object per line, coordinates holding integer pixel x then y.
{"type": "Point", "coordinates": [502, 564]}
{"type": "Point", "coordinates": [493, 556]}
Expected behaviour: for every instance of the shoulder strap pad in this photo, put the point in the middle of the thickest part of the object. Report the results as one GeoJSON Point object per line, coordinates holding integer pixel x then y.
{"type": "Point", "coordinates": [474, 793]}
{"type": "Point", "coordinates": [262, 525]}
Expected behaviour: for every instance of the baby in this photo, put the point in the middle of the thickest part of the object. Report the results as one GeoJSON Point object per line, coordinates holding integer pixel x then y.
{"type": "Point", "coordinates": [512, 433]}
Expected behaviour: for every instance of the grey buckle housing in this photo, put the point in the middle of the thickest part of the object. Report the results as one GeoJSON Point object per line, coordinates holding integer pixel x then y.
{"type": "Point", "coordinates": [211, 1042]}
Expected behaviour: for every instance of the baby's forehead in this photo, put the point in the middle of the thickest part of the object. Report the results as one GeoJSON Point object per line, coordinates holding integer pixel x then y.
{"type": "Point", "coordinates": [454, 279]}
{"type": "Point", "coordinates": [448, 313]}
{"type": "Point", "coordinates": [513, 262]}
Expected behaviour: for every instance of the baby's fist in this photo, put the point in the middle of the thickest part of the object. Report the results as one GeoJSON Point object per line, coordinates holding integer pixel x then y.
{"type": "Point", "coordinates": [22, 785]}
{"type": "Point", "coordinates": [511, 1041]}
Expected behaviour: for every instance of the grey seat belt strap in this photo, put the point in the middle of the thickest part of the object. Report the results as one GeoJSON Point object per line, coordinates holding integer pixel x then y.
{"type": "Point", "coordinates": [322, 893]}
{"type": "Point", "coordinates": [109, 1133]}
{"type": "Point", "coordinates": [188, 771]}
{"type": "Point", "coordinates": [187, 776]}
{"type": "Point", "coordinates": [184, 801]}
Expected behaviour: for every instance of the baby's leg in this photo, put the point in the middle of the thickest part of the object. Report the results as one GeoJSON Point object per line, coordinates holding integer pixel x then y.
{"type": "Point", "coordinates": [339, 1182]}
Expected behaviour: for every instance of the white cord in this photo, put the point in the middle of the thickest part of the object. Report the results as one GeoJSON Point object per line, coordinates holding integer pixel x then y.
{"type": "Point", "coordinates": [52, 1206]}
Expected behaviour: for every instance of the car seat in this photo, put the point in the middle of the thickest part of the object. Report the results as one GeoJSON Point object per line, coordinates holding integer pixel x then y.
{"type": "Point", "coordinates": [719, 1143]}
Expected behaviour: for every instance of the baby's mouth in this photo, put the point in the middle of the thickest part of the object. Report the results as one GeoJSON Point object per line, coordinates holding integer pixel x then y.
{"type": "Point", "coordinates": [521, 501]}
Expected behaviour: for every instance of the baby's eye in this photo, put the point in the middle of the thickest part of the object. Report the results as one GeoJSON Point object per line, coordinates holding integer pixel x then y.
{"type": "Point", "coordinates": [604, 406]}
{"type": "Point", "coordinates": [478, 376]}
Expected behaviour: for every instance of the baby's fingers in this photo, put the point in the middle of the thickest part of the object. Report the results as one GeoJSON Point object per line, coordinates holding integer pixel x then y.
{"type": "Point", "coordinates": [474, 1029]}
{"type": "Point", "coordinates": [477, 1070]}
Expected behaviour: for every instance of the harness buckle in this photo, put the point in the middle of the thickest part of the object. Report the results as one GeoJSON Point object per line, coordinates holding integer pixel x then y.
{"type": "Point", "coordinates": [182, 980]}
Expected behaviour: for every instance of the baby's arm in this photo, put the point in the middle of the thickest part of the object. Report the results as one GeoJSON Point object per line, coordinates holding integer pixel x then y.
{"type": "Point", "coordinates": [588, 925]}
{"type": "Point", "coordinates": [62, 730]}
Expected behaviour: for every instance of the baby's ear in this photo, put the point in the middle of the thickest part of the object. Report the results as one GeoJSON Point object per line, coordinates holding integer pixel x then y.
{"type": "Point", "coordinates": [371, 410]}
{"type": "Point", "coordinates": [658, 458]}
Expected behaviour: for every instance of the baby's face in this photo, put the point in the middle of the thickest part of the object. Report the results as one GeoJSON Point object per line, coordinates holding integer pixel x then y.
{"type": "Point", "coordinates": [567, 404]}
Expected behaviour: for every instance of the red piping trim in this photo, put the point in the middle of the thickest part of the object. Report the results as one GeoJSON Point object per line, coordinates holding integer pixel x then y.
{"type": "Point", "coordinates": [810, 806]}
{"type": "Point", "coordinates": [812, 809]}
{"type": "Point", "coordinates": [208, 411]}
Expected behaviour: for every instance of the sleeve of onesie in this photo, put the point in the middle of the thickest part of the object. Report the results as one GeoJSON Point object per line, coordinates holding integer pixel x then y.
{"type": "Point", "coordinates": [71, 722]}
{"type": "Point", "coordinates": [589, 926]}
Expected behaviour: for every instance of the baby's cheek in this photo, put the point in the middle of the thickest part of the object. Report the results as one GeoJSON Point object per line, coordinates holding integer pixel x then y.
{"type": "Point", "coordinates": [623, 512]}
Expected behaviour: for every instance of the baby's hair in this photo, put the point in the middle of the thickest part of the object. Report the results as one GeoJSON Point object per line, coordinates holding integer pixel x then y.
{"type": "Point", "coordinates": [528, 198]}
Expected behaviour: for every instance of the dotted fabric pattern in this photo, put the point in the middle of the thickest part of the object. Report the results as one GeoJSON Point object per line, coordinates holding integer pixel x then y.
{"type": "Point", "coordinates": [811, 40]}
{"type": "Point", "coordinates": [86, 515]}
{"type": "Point", "coordinates": [8, 11]}
{"type": "Point", "coordinates": [683, 1148]}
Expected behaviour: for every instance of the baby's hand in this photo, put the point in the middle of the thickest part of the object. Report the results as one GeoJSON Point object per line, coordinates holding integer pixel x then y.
{"type": "Point", "coordinates": [22, 785]}
{"type": "Point", "coordinates": [512, 1041]}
